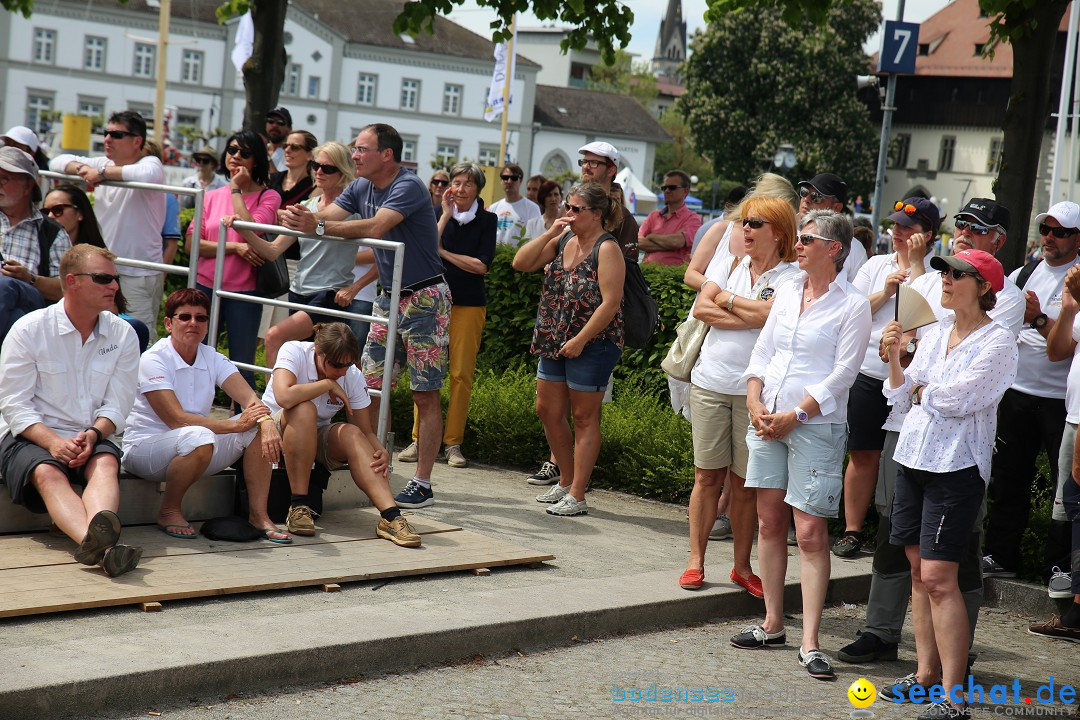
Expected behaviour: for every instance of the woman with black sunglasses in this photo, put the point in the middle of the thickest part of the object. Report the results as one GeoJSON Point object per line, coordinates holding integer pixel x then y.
{"type": "Point", "coordinates": [440, 180]}
{"type": "Point", "coordinates": [68, 205]}
{"type": "Point", "coordinates": [245, 198]}
{"type": "Point", "coordinates": [296, 182]}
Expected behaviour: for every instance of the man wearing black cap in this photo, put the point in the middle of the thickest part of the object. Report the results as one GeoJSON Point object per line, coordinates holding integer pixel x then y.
{"type": "Point", "coordinates": [828, 192]}
{"type": "Point", "coordinates": [278, 127]}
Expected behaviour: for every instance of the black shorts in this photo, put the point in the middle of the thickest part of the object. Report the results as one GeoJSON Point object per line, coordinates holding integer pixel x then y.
{"type": "Point", "coordinates": [19, 457]}
{"type": "Point", "coordinates": [321, 299]}
{"type": "Point", "coordinates": [867, 410]}
{"type": "Point", "coordinates": [936, 511]}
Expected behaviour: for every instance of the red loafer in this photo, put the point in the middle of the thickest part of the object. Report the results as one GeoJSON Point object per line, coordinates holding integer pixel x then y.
{"type": "Point", "coordinates": [752, 583]}
{"type": "Point", "coordinates": [692, 579]}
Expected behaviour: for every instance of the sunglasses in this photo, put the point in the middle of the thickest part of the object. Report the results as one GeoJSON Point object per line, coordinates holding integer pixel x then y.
{"type": "Point", "coordinates": [814, 195]}
{"type": "Point", "coordinates": [755, 223]}
{"type": "Point", "coordinates": [101, 278]}
{"type": "Point", "coordinates": [276, 121]}
{"type": "Point", "coordinates": [118, 134]}
{"type": "Point", "coordinates": [975, 228]}
{"type": "Point", "coordinates": [296, 147]}
{"type": "Point", "coordinates": [1058, 232]}
{"type": "Point", "coordinates": [444, 183]}
{"type": "Point", "coordinates": [908, 209]}
{"type": "Point", "coordinates": [244, 152]}
{"type": "Point", "coordinates": [203, 160]}
{"type": "Point", "coordinates": [576, 209]}
{"type": "Point", "coordinates": [340, 365]}
{"type": "Point", "coordinates": [672, 188]}
{"type": "Point", "coordinates": [592, 163]}
{"type": "Point", "coordinates": [327, 169]}
{"type": "Point", "coordinates": [188, 317]}
{"type": "Point", "coordinates": [809, 238]}
{"type": "Point", "coordinates": [510, 178]}
{"type": "Point", "coordinates": [956, 274]}
{"type": "Point", "coordinates": [58, 209]}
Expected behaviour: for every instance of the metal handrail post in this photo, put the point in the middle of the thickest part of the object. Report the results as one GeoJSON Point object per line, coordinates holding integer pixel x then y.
{"type": "Point", "coordinates": [219, 270]}
{"type": "Point", "coordinates": [391, 343]}
{"type": "Point", "coordinates": [196, 236]}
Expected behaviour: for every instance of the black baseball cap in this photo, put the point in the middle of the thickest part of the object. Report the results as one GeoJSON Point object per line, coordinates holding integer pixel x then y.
{"type": "Point", "coordinates": [282, 113]}
{"type": "Point", "coordinates": [925, 213]}
{"type": "Point", "coordinates": [828, 184]}
{"type": "Point", "coordinates": [987, 212]}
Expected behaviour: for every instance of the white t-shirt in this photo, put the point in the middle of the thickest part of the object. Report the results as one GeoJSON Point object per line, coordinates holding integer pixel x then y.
{"type": "Point", "coordinates": [1035, 374]}
{"type": "Point", "coordinates": [726, 353]}
{"type": "Point", "coordinates": [1008, 312]}
{"type": "Point", "coordinates": [512, 218]}
{"type": "Point", "coordinates": [299, 358]}
{"type": "Point", "coordinates": [870, 280]}
{"type": "Point", "coordinates": [1072, 392]}
{"type": "Point", "coordinates": [855, 260]}
{"type": "Point", "coordinates": [162, 368]}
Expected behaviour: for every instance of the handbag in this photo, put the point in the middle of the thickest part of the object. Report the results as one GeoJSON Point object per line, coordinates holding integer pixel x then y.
{"type": "Point", "coordinates": [272, 278]}
{"type": "Point", "coordinates": [685, 350]}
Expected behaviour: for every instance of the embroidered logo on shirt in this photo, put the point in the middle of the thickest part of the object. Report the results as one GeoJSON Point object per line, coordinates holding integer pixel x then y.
{"type": "Point", "coordinates": [106, 351]}
{"type": "Point", "coordinates": [766, 293]}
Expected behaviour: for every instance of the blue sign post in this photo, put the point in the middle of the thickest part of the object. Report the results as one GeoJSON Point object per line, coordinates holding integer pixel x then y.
{"type": "Point", "coordinates": [899, 46]}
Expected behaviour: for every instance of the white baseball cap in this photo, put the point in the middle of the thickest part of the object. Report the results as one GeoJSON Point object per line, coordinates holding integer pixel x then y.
{"type": "Point", "coordinates": [23, 136]}
{"type": "Point", "coordinates": [603, 149]}
{"type": "Point", "coordinates": [1065, 212]}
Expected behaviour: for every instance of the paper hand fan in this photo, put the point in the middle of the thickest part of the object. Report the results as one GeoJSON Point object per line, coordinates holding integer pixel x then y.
{"type": "Point", "coordinates": [912, 310]}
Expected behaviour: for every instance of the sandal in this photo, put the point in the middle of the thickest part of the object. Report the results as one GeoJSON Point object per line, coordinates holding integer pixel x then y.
{"type": "Point", "coordinates": [265, 533]}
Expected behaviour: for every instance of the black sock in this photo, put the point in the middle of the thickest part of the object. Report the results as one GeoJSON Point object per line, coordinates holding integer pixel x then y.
{"type": "Point", "coordinates": [1071, 618]}
{"type": "Point", "coordinates": [300, 500]}
{"type": "Point", "coordinates": [391, 513]}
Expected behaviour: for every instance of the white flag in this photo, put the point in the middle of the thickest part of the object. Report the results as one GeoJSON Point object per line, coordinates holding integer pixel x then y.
{"type": "Point", "coordinates": [500, 78]}
{"type": "Point", "coordinates": [245, 42]}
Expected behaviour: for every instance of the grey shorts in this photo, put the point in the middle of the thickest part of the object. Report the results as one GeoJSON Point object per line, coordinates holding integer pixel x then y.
{"type": "Point", "coordinates": [808, 463]}
{"type": "Point", "coordinates": [719, 423]}
{"type": "Point", "coordinates": [18, 459]}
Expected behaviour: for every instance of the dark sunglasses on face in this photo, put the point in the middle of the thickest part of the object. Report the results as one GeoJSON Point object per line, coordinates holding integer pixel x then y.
{"type": "Point", "coordinates": [809, 192]}
{"type": "Point", "coordinates": [101, 278]}
{"type": "Point", "coordinates": [295, 147]}
{"type": "Point", "coordinates": [327, 169]}
{"type": "Point", "coordinates": [671, 188]}
{"type": "Point", "coordinates": [58, 209]}
{"type": "Point", "coordinates": [510, 178]}
{"type": "Point", "coordinates": [956, 274]}
{"type": "Point", "coordinates": [203, 160]}
{"type": "Point", "coordinates": [809, 238]}
{"type": "Point", "coordinates": [755, 223]}
{"type": "Point", "coordinates": [187, 317]}
{"type": "Point", "coordinates": [1058, 232]}
{"type": "Point", "coordinates": [444, 183]}
{"type": "Point", "coordinates": [118, 134]}
{"type": "Point", "coordinates": [275, 121]}
{"type": "Point", "coordinates": [244, 152]}
{"type": "Point", "coordinates": [576, 209]}
{"type": "Point", "coordinates": [973, 227]}
{"type": "Point", "coordinates": [340, 365]}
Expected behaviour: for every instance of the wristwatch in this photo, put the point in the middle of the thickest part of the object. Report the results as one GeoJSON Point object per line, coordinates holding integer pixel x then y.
{"type": "Point", "coordinates": [1039, 321]}
{"type": "Point", "coordinates": [915, 399]}
{"type": "Point", "coordinates": [320, 229]}
{"type": "Point", "coordinates": [801, 415]}
{"type": "Point", "coordinates": [911, 346]}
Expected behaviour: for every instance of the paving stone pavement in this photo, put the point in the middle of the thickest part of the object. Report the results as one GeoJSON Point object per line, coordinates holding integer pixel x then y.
{"type": "Point", "coordinates": [581, 680]}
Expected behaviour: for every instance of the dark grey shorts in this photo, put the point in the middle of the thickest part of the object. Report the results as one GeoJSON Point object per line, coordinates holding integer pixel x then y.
{"type": "Point", "coordinates": [19, 457]}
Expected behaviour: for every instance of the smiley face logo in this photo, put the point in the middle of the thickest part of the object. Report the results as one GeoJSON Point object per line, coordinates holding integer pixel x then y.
{"type": "Point", "coordinates": [862, 693]}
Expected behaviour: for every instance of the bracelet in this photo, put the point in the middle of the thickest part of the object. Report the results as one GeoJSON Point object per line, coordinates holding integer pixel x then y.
{"type": "Point", "coordinates": [237, 191]}
{"type": "Point", "coordinates": [100, 435]}
{"type": "Point", "coordinates": [33, 279]}
{"type": "Point", "coordinates": [264, 418]}
{"type": "Point", "coordinates": [730, 301]}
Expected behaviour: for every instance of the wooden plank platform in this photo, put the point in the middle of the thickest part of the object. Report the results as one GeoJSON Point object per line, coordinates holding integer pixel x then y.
{"type": "Point", "coordinates": [38, 574]}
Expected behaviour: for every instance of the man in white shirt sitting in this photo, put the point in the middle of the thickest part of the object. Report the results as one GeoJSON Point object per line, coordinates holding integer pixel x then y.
{"type": "Point", "coordinates": [131, 220]}
{"type": "Point", "coordinates": [514, 210]}
{"type": "Point", "coordinates": [67, 383]}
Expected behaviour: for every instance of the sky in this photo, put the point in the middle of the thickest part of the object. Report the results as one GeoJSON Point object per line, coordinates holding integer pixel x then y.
{"type": "Point", "coordinates": [649, 13]}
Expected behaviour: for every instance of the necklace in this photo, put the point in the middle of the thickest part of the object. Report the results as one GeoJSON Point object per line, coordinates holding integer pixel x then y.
{"type": "Point", "coordinates": [952, 346]}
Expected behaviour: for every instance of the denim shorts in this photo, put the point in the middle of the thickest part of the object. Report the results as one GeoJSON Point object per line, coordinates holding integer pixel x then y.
{"type": "Point", "coordinates": [808, 463]}
{"type": "Point", "coordinates": [423, 339]}
{"type": "Point", "coordinates": [588, 372]}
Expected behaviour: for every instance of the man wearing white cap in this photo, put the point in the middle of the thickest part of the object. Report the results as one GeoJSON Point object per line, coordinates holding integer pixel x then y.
{"type": "Point", "coordinates": [25, 139]}
{"type": "Point", "coordinates": [599, 164]}
{"type": "Point", "coordinates": [1035, 404]}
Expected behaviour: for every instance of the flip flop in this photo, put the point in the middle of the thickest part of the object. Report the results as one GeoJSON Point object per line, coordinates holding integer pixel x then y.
{"type": "Point", "coordinates": [265, 533]}
{"type": "Point", "coordinates": [168, 530]}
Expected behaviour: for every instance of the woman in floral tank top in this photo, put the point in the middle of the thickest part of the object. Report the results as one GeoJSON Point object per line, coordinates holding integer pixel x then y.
{"type": "Point", "coordinates": [578, 335]}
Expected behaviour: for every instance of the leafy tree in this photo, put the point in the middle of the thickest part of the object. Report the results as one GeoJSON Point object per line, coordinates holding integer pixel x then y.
{"type": "Point", "coordinates": [681, 153]}
{"type": "Point", "coordinates": [625, 77]}
{"type": "Point", "coordinates": [753, 82]}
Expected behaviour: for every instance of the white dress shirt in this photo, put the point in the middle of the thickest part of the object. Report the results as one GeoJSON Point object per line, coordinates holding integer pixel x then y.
{"type": "Point", "coordinates": [162, 368]}
{"type": "Point", "coordinates": [49, 375]}
{"type": "Point", "coordinates": [871, 279]}
{"type": "Point", "coordinates": [953, 427]}
{"type": "Point", "coordinates": [299, 358]}
{"type": "Point", "coordinates": [816, 352]}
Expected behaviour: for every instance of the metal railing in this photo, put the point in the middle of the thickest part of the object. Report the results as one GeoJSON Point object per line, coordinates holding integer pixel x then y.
{"type": "Point", "coordinates": [391, 321]}
{"type": "Point", "coordinates": [191, 271]}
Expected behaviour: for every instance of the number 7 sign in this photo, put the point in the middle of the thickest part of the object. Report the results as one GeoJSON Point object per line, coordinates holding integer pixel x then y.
{"type": "Point", "coordinates": [899, 46]}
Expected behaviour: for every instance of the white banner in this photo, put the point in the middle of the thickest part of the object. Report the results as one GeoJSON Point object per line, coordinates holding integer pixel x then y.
{"type": "Point", "coordinates": [499, 79]}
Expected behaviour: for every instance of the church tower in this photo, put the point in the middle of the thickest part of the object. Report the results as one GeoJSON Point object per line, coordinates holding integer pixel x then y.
{"type": "Point", "coordinates": [671, 42]}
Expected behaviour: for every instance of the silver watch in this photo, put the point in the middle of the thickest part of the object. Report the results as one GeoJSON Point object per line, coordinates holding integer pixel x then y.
{"type": "Point", "coordinates": [320, 229]}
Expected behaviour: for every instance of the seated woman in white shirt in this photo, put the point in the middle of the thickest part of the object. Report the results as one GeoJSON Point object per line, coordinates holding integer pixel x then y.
{"type": "Point", "coordinates": [312, 382]}
{"type": "Point", "coordinates": [797, 383]}
{"type": "Point", "coordinates": [735, 300]}
{"type": "Point", "coordinates": [170, 435]}
{"type": "Point", "coordinates": [960, 371]}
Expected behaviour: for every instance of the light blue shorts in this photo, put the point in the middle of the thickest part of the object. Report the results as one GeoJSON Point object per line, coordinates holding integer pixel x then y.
{"type": "Point", "coordinates": [808, 463]}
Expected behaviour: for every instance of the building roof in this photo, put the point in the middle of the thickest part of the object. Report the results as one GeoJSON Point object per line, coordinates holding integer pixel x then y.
{"type": "Point", "coordinates": [595, 112]}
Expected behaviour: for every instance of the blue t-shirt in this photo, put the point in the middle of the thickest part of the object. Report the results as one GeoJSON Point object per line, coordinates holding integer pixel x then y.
{"type": "Point", "coordinates": [171, 228]}
{"type": "Point", "coordinates": [406, 194]}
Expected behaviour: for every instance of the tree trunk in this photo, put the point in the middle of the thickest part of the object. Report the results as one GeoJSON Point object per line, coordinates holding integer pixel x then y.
{"type": "Point", "coordinates": [265, 69]}
{"type": "Point", "coordinates": [1025, 121]}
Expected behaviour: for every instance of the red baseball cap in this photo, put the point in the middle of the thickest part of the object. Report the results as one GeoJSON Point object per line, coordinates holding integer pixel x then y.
{"type": "Point", "coordinates": [974, 261]}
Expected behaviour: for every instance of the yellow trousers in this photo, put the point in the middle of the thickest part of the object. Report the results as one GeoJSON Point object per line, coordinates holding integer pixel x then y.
{"type": "Point", "coordinates": [466, 330]}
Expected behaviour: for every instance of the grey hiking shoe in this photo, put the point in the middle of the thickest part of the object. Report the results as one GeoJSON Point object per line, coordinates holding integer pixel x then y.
{"type": "Point", "coordinates": [721, 529]}
{"type": "Point", "coordinates": [568, 507]}
{"type": "Point", "coordinates": [554, 494]}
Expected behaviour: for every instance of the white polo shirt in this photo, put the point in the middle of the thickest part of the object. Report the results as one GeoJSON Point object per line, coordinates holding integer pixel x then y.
{"type": "Point", "coordinates": [162, 368]}
{"type": "Point", "coordinates": [1035, 374]}
{"type": "Point", "coordinates": [299, 358]}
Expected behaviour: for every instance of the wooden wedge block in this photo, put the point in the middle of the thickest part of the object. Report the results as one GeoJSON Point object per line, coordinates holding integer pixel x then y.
{"type": "Point", "coordinates": [331, 587]}
{"type": "Point", "coordinates": [481, 571]}
{"type": "Point", "coordinates": [150, 607]}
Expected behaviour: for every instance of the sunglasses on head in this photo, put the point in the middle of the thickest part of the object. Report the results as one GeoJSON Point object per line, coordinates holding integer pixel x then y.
{"type": "Point", "coordinates": [956, 274]}
{"type": "Point", "coordinates": [58, 209]}
{"type": "Point", "coordinates": [187, 317]}
{"type": "Point", "coordinates": [244, 152]}
{"type": "Point", "coordinates": [592, 163]}
{"type": "Point", "coordinates": [808, 192]}
{"type": "Point", "coordinates": [576, 209]}
{"type": "Point", "coordinates": [118, 134]}
{"type": "Point", "coordinates": [755, 223]}
{"type": "Point", "coordinates": [444, 183]}
{"type": "Point", "coordinates": [295, 147]}
{"type": "Point", "coordinates": [511, 178]}
{"type": "Point", "coordinates": [809, 238]}
{"type": "Point", "coordinates": [327, 169]}
{"type": "Point", "coordinates": [1058, 232]}
{"type": "Point", "coordinates": [973, 227]}
{"type": "Point", "coordinates": [101, 278]}
{"type": "Point", "coordinates": [908, 209]}
{"type": "Point", "coordinates": [672, 188]}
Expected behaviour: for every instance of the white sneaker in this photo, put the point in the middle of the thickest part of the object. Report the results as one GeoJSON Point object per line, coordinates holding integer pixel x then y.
{"type": "Point", "coordinates": [554, 494]}
{"type": "Point", "coordinates": [409, 454]}
{"type": "Point", "coordinates": [1060, 584]}
{"type": "Point", "coordinates": [568, 507]}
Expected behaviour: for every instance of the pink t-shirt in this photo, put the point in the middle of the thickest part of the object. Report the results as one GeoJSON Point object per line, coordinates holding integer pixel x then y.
{"type": "Point", "coordinates": [239, 273]}
{"type": "Point", "coordinates": [684, 220]}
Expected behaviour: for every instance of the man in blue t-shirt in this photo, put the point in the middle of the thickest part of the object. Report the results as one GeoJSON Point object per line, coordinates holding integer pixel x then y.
{"type": "Point", "coordinates": [394, 204]}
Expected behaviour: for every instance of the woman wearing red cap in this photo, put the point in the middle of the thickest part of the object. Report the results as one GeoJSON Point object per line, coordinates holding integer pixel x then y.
{"type": "Point", "coordinates": [961, 369]}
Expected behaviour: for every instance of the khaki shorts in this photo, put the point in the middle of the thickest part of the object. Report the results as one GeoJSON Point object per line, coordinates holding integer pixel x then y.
{"type": "Point", "coordinates": [719, 423]}
{"type": "Point", "coordinates": [322, 440]}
